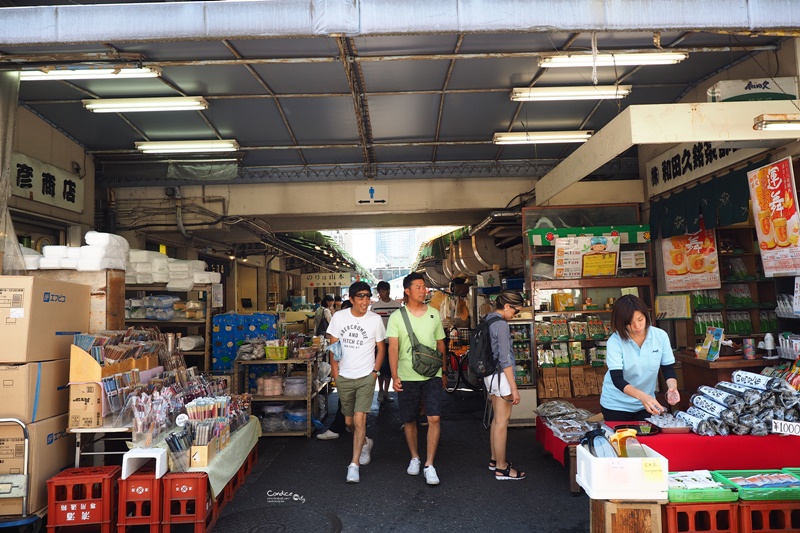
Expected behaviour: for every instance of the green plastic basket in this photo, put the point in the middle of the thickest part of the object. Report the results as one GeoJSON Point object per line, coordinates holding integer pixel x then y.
{"type": "Point", "coordinates": [727, 494]}
{"type": "Point", "coordinates": [764, 493]}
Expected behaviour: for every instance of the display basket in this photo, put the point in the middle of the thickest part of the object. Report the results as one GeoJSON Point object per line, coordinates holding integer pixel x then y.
{"type": "Point", "coordinates": [758, 493]}
{"type": "Point", "coordinates": [729, 493]}
{"type": "Point", "coordinates": [276, 352]}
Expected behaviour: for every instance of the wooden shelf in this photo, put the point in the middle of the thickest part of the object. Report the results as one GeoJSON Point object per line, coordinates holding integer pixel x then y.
{"type": "Point", "coordinates": [559, 313]}
{"type": "Point", "coordinates": [592, 283]}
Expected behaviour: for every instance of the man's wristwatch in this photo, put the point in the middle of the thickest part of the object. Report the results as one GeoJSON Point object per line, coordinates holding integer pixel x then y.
{"type": "Point", "coordinates": [377, 373]}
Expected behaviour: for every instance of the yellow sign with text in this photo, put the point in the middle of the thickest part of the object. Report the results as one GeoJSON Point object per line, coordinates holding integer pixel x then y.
{"type": "Point", "coordinates": [603, 264]}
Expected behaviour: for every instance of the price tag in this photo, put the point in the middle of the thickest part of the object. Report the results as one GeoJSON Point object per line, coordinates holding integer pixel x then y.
{"type": "Point", "coordinates": [652, 470]}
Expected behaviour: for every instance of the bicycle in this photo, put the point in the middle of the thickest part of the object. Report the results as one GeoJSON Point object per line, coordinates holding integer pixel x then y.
{"type": "Point", "coordinates": [458, 372]}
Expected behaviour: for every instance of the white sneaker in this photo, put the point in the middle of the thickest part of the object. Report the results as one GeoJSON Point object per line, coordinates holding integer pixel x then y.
{"type": "Point", "coordinates": [413, 467]}
{"type": "Point", "coordinates": [352, 473]}
{"type": "Point", "coordinates": [430, 475]}
{"type": "Point", "coordinates": [328, 435]}
{"type": "Point", "coordinates": [365, 456]}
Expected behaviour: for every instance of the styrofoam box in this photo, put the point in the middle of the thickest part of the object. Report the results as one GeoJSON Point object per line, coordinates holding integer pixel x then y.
{"type": "Point", "coordinates": [623, 478]}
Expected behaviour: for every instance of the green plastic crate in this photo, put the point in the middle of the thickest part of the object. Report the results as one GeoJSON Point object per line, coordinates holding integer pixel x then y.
{"type": "Point", "coordinates": [750, 494]}
{"type": "Point", "coordinates": [728, 494]}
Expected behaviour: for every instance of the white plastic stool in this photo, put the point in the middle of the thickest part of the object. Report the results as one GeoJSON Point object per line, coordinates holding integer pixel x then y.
{"type": "Point", "coordinates": [134, 459]}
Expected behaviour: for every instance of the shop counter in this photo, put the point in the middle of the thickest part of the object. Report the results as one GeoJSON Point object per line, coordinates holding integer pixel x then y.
{"type": "Point", "coordinates": [228, 461]}
{"type": "Point", "coordinates": [689, 451]}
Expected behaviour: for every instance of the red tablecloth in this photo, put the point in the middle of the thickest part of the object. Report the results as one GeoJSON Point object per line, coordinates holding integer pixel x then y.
{"type": "Point", "coordinates": [688, 451]}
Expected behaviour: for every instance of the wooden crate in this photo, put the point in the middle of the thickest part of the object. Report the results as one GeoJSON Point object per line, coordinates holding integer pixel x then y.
{"type": "Point", "coordinates": [625, 517]}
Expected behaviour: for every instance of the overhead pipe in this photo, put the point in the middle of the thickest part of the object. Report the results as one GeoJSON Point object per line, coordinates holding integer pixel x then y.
{"type": "Point", "coordinates": [493, 217]}
{"type": "Point", "coordinates": [179, 214]}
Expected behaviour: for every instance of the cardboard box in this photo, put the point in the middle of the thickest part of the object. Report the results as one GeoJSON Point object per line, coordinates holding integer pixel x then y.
{"type": "Point", "coordinates": [549, 388]}
{"type": "Point", "coordinates": [579, 386]}
{"type": "Point", "coordinates": [85, 405]}
{"type": "Point", "coordinates": [39, 317]}
{"type": "Point", "coordinates": [623, 478]}
{"type": "Point", "coordinates": [34, 391]}
{"type": "Point", "coordinates": [564, 383]}
{"type": "Point", "coordinates": [51, 450]}
{"type": "Point", "coordinates": [489, 278]}
{"type": "Point", "coordinates": [84, 368]}
{"type": "Point", "coordinates": [201, 456]}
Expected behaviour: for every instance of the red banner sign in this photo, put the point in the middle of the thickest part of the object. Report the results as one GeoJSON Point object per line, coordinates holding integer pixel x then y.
{"type": "Point", "coordinates": [774, 199]}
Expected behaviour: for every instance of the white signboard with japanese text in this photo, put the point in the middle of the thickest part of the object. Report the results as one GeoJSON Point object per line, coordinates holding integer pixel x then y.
{"type": "Point", "coordinates": [46, 184]}
{"type": "Point", "coordinates": [327, 279]}
{"type": "Point", "coordinates": [688, 162]}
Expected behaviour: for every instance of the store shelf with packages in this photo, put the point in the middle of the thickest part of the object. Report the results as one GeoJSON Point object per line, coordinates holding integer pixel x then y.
{"type": "Point", "coordinates": [197, 326]}
{"type": "Point", "coordinates": [525, 372]}
{"type": "Point", "coordinates": [597, 256]}
{"type": "Point", "coordinates": [284, 367]}
{"type": "Point", "coordinates": [744, 305]}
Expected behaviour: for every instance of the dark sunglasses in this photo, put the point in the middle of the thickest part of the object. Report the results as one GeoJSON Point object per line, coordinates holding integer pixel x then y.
{"type": "Point", "coordinates": [361, 295]}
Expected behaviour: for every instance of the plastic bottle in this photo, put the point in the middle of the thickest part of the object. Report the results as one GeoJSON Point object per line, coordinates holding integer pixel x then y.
{"type": "Point", "coordinates": [626, 444]}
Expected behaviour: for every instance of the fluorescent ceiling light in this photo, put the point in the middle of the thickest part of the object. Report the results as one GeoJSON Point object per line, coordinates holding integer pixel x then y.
{"type": "Point", "coordinates": [171, 147]}
{"type": "Point", "coordinates": [610, 59]}
{"type": "Point", "coordinates": [89, 74]}
{"type": "Point", "coordinates": [541, 137]}
{"type": "Point", "coordinates": [131, 105]}
{"type": "Point", "coordinates": [785, 122]}
{"type": "Point", "coordinates": [585, 92]}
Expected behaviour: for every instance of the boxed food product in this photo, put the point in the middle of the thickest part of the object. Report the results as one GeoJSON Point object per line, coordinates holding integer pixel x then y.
{"type": "Point", "coordinates": [564, 383]}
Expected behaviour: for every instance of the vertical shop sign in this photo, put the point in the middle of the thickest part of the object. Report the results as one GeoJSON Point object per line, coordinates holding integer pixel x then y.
{"type": "Point", "coordinates": [690, 262]}
{"type": "Point", "coordinates": [46, 184]}
{"type": "Point", "coordinates": [588, 257]}
{"type": "Point", "coordinates": [327, 279]}
{"type": "Point", "coordinates": [774, 199]}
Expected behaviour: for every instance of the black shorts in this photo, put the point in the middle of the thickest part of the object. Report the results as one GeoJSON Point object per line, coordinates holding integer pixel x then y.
{"type": "Point", "coordinates": [386, 370]}
{"type": "Point", "coordinates": [413, 391]}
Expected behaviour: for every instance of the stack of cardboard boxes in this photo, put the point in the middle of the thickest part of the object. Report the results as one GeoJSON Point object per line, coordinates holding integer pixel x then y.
{"type": "Point", "coordinates": [572, 381]}
{"type": "Point", "coordinates": [38, 318]}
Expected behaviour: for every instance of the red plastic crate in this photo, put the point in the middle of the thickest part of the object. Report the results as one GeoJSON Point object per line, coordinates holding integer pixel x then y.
{"type": "Point", "coordinates": [720, 517]}
{"type": "Point", "coordinates": [769, 516]}
{"type": "Point", "coordinates": [140, 501]}
{"type": "Point", "coordinates": [187, 500]}
{"type": "Point", "coordinates": [81, 496]}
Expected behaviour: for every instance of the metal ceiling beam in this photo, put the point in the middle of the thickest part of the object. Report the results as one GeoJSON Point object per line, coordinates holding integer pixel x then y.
{"type": "Point", "coordinates": [184, 21]}
{"type": "Point", "coordinates": [664, 124]}
{"type": "Point", "coordinates": [355, 79]}
{"type": "Point", "coordinates": [426, 170]}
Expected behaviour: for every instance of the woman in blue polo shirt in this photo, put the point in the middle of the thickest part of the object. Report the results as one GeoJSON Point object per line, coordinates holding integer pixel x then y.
{"type": "Point", "coordinates": [634, 354]}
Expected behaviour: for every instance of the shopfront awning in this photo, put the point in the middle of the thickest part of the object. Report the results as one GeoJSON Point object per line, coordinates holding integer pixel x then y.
{"type": "Point", "coordinates": [664, 124]}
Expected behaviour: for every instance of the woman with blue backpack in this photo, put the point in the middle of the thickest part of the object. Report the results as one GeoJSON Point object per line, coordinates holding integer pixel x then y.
{"type": "Point", "coordinates": [501, 386]}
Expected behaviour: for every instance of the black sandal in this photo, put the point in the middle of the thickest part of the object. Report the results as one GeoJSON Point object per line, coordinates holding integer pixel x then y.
{"type": "Point", "coordinates": [505, 474]}
{"type": "Point", "coordinates": [492, 465]}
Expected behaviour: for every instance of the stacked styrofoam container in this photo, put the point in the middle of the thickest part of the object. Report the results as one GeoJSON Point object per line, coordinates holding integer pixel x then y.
{"type": "Point", "coordinates": [146, 267]}
{"type": "Point", "coordinates": [102, 251]}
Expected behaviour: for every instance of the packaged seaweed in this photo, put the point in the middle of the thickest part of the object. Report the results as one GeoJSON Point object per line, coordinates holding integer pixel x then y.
{"type": "Point", "coordinates": [756, 381]}
{"type": "Point", "coordinates": [792, 415]}
{"type": "Point", "coordinates": [699, 425]}
{"type": "Point", "coordinates": [726, 399]}
{"type": "Point", "coordinates": [740, 429]}
{"type": "Point", "coordinates": [710, 406]}
{"type": "Point", "coordinates": [767, 415]}
{"type": "Point", "coordinates": [749, 395]}
{"type": "Point", "coordinates": [747, 420]}
{"type": "Point", "coordinates": [788, 398]}
{"type": "Point", "coordinates": [779, 413]}
{"type": "Point", "coordinates": [767, 400]}
{"type": "Point", "coordinates": [759, 429]}
{"type": "Point", "coordinates": [717, 426]}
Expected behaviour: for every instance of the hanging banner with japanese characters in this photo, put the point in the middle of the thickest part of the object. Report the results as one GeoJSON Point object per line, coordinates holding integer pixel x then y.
{"type": "Point", "coordinates": [587, 257]}
{"type": "Point", "coordinates": [688, 162]}
{"type": "Point", "coordinates": [46, 184]}
{"type": "Point", "coordinates": [774, 199]}
{"type": "Point", "coordinates": [327, 279]}
{"type": "Point", "coordinates": [690, 262]}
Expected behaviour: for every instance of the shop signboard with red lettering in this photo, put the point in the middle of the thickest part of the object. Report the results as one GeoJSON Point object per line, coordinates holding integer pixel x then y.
{"type": "Point", "coordinates": [690, 262]}
{"type": "Point", "coordinates": [774, 198]}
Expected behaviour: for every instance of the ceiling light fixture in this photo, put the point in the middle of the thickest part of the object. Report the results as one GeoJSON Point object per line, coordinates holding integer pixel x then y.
{"type": "Point", "coordinates": [89, 73]}
{"type": "Point", "coordinates": [132, 105]}
{"type": "Point", "coordinates": [542, 137]}
{"type": "Point", "coordinates": [172, 147]}
{"type": "Point", "coordinates": [784, 122]}
{"type": "Point", "coordinates": [586, 92]}
{"type": "Point", "coordinates": [611, 59]}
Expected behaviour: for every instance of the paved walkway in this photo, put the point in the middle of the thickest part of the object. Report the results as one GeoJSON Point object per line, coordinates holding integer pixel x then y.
{"type": "Point", "coordinates": [298, 484]}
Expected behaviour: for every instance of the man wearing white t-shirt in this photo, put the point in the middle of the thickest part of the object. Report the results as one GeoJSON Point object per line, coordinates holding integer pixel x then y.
{"type": "Point", "coordinates": [360, 332]}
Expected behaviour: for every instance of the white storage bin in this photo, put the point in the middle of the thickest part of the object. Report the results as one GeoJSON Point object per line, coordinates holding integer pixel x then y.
{"type": "Point", "coordinates": [623, 478]}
